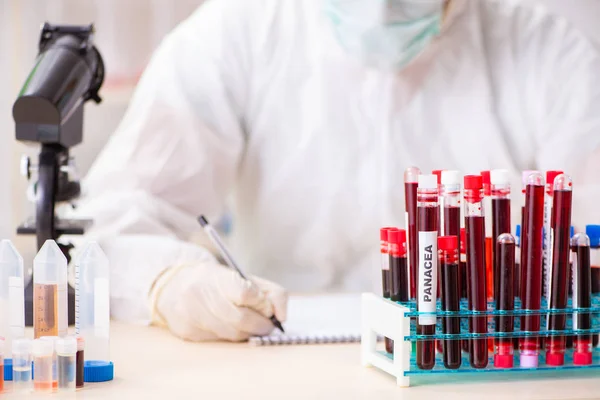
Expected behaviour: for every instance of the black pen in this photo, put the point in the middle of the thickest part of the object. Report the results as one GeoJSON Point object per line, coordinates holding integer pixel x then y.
{"type": "Point", "coordinates": [216, 239]}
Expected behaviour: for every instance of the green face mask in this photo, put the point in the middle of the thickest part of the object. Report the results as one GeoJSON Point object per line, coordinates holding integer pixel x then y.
{"type": "Point", "coordinates": [386, 33]}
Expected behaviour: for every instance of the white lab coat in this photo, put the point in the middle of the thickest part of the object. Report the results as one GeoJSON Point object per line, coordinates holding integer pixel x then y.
{"type": "Point", "coordinates": [256, 102]}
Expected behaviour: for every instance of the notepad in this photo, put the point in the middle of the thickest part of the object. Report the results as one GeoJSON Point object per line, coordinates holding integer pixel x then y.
{"type": "Point", "coordinates": [318, 320]}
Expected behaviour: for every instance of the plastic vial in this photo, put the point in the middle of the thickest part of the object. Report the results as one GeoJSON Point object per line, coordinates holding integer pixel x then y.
{"type": "Point", "coordinates": [489, 240]}
{"type": "Point", "coordinates": [12, 295]}
{"type": "Point", "coordinates": [53, 340]}
{"type": "Point", "coordinates": [66, 351]}
{"type": "Point", "coordinates": [1, 365]}
{"type": "Point", "coordinates": [50, 310]}
{"type": "Point", "coordinates": [547, 241]}
{"type": "Point", "coordinates": [500, 193]}
{"type": "Point", "coordinates": [505, 257]}
{"type": "Point", "coordinates": [582, 298]}
{"type": "Point", "coordinates": [411, 176]}
{"type": "Point", "coordinates": [92, 319]}
{"type": "Point", "coordinates": [79, 360]}
{"type": "Point", "coordinates": [43, 352]}
{"type": "Point", "coordinates": [448, 254]}
{"type": "Point", "coordinates": [21, 359]}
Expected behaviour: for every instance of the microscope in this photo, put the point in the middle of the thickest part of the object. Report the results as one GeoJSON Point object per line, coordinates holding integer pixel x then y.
{"type": "Point", "coordinates": [67, 73]}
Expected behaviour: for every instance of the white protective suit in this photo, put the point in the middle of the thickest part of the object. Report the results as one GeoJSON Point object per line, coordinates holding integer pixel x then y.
{"type": "Point", "coordinates": [256, 102]}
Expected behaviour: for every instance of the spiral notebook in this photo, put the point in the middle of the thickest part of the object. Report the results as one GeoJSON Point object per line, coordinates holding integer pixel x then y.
{"type": "Point", "coordinates": [318, 320]}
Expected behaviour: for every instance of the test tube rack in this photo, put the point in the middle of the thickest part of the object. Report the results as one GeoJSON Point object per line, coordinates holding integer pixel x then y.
{"type": "Point", "coordinates": [396, 321]}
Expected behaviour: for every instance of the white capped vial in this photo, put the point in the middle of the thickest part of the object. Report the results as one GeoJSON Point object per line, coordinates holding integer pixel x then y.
{"type": "Point", "coordinates": [66, 350]}
{"type": "Point", "coordinates": [43, 352]}
{"type": "Point", "coordinates": [53, 340]}
{"type": "Point", "coordinates": [21, 359]}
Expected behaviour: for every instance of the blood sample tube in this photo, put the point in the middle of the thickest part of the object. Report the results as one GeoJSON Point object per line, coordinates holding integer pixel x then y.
{"type": "Point", "coordinates": [448, 252]}
{"type": "Point", "coordinates": [66, 350]}
{"type": "Point", "coordinates": [531, 268]}
{"type": "Point", "coordinates": [385, 276]}
{"type": "Point", "coordinates": [12, 294]}
{"type": "Point", "coordinates": [438, 174]}
{"type": "Point", "coordinates": [450, 195]}
{"type": "Point", "coordinates": [79, 360]}
{"type": "Point", "coordinates": [1, 365]}
{"type": "Point", "coordinates": [547, 242]}
{"type": "Point", "coordinates": [50, 291]}
{"type": "Point", "coordinates": [582, 298]}
{"type": "Point", "coordinates": [476, 268]}
{"type": "Point", "coordinates": [42, 365]}
{"type": "Point", "coordinates": [398, 265]}
{"type": "Point", "coordinates": [427, 210]}
{"type": "Point", "coordinates": [523, 242]}
{"type": "Point", "coordinates": [489, 240]}
{"type": "Point", "coordinates": [462, 270]}
{"type": "Point", "coordinates": [500, 193]}
{"type": "Point", "coordinates": [21, 369]}
{"type": "Point", "coordinates": [505, 258]}
{"type": "Point", "coordinates": [411, 176]}
{"type": "Point", "coordinates": [560, 225]}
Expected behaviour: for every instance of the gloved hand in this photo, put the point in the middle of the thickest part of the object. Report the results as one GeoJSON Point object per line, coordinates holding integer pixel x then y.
{"type": "Point", "coordinates": [210, 301]}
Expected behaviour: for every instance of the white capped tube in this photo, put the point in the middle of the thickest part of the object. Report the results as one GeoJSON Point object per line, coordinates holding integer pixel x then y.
{"type": "Point", "coordinates": [12, 294]}
{"type": "Point", "coordinates": [21, 359]}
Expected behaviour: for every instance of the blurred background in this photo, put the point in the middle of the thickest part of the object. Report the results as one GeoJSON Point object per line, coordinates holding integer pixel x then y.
{"type": "Point", "coordinates": [127, 33]}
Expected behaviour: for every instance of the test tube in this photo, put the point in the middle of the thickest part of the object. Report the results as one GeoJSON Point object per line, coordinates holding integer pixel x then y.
{"type": "Point", "coordinates": [79, 359]}
{"type": "Point", "coordinates": [531, 268]}
{"type": "Point", "coordinates": [448, 253]}
{"type": "Point", "coordinates": [547, 242]}
{"type": "Point", "coordinates": [450, 195]}
{"type": "Point", "coordinates": [385, 276]}
{"type": "Point", "coordinates": [476, 267]}
{"type": "Point", "coordinates": [2, 346]}
{"type": "Point", "coordinates": [505, 258]}
{"type": "Point", "coordinates": [462, 269]}
{"type": "Point", "coordinates": [438, 174]}
{"type": "Point", "coordinates": [489, 240]}
{"type": "Point", "coordinates": [50, 291]}
{"type": "Point", "coordinates": [52, 340]}
{"type": "Point", "coordinates": [66, 351]}
{"type": "Point", "coordinates": [43, 352]}
{"type": "Point", "coordinates": [523, 241]}
{"type": "Point", "coordinates": [411, 176]}
{"type": "Point", "coordinates": [582, 298]}
{"type": "Point", "coordinates": [427, 211]}
{"type": "Point", "coordinates": [12, 294]}
{"type": "Point", "coordinates": [21, 369]}
{"type": "Point", "coordinates": [500, 194]}
{"type": "Point", "coordinates": [559, 244]}
{"type": "Point", "coordinates": [92, 319]}
{"type": "Point", "coordinates": [398, 265]}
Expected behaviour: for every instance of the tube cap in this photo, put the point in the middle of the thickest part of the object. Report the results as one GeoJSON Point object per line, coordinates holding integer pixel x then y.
{"type": "Point", "coordinates": [42, 347]}
{"type": "Point", "coordinates": [428, 182]}
{"type": "Point", "coordinates": [529, 360]}
{"type": "Point", "coordinates": [485, 178]}
{"type": "Point", "coordinates": [397, 236]}
{"type": "Point", "coordinates": [451, 177]}
{"type": "Point", "coordinates": [383, 234]}
{"type": "Point", "coordinates": [473, 182]}
{"type": "Point", "coordinates": [593, 231]}
{"type": "Point", "coordinates": [499, 177]}
{"type": "Point", "coordinates": [582, 358]}
{"type": "Point", "coordinates": [80, 343]}
{"type": "Point", "coordinates": [447, 243]}
{"type": "Point", "coordinates": [98, 371]}
{"type": "Point", "coordinates": [66, 345]}
{"type": "Point", "coordinates": [503, 361]}
{"type": "Point", "coordinates": [551, 175]}
{"type": "Point", "coordinates": [555, 359]}
{"type": "Point", "coordinates": [21, 346]}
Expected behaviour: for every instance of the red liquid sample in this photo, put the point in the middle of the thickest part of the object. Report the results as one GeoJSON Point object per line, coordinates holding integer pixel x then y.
{"type": "Point", "coordinates": [413, 238]}
{"type": "Point", "coordinates": [500, 225]}
{"type": "Point", "coordinates": [583, 343]}
{"type": "Point", "coordinates": [478, 349]}
{"type": "Point", "coordinates": [451, 302]}
{"type": "Point", "coordinates": [489, 267]}
{"type": "Point", "coordinates": [561, 224]}
{"type": "Point", "coordinates": [79, 358]}
{"type": "Point", "coordinates": [385, 280]}
{"type": "Point", "coordinates": [531, 265]}
{"type": "Point", "coordinates": [523, 246]}
{"type": "Point", "coordinates": [505, 257]}
{"type": "Point", "coordinates": [428, 222]}
{"type": "Point", "coordinates": [452, 228]}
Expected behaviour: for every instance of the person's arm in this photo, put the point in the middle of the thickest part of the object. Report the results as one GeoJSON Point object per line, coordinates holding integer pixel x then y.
{"type": "Point", "coordinates": [174, 156]}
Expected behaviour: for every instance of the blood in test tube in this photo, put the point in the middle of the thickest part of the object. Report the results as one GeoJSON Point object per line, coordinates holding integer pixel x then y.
{"type": "Point", "coordinates": [462, 270]}
{"type": "Point", "coordinates": [79, 360]}
{"type": "Point", "coordinates": [385, 276]}
{"type": "Point", "coordinates": [547, 242]}
{"type": "Point", "coordinates": [489, 240]}
{"type": "Point", "coordinates": [558, 287]}
{"type": "Point", "coordinates": [398, 266]}
{"type": "Point", "coordinates": [411, 176]}
{"type": "Point", "coordinates": [505, 258]}
{"type": "Point", "coordinates": [450, 195]}
{"type": "Point", "coordinates": [476, 268]}
{"type": "Point", "coordinates": [500, 193]}
{"type": "Point", "coordinates": [523, 242]}
{"type": "Point", "coordinates": [427, 211]}
{"type": "Point", "coordinates": [582, 298]}
{"type": "Point", "coordinates": [531, 267]}
{"type": "Point", "coordinates": [448, 252]}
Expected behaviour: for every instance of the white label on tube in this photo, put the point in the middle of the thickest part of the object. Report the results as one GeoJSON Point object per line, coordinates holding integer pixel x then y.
{"type": "Point", "coordinates": [385, 262]}
{"type": "Point", "coordinates": [63, 310]}
{"type": "Point", "coordinates": [548, 283]}
{"type": "Point", "coordinates": [574, 287]}
{"type": "Point", "coordinates": [408, 280]}
{"type": "Point", "coordinates": [101, 307]}
{"type": "Point", "coordinates": [428, 267]}
{"type": "Point", "coordinates": [16, 301]}
{"type": "Point", "coordinates": [547, 246]}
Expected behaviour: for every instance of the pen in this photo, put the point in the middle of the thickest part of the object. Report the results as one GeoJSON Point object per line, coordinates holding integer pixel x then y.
{"type": "Point", "coordinates": [216, 239]}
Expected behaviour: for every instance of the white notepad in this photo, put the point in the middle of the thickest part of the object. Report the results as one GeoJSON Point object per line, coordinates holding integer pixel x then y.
{"type": "Point", "coordinates": [318, 319]}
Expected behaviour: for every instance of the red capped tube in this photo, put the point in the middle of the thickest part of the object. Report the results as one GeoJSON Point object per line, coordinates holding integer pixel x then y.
{"type": "Point", "coordinates": [582, 297]}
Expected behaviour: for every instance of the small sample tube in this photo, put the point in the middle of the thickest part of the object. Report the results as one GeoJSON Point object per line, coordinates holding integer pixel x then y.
{"type": "Point", "coordinates": [21, 359]}
{"type": "Point", "coordinates": [450, 195]}
{"type": "Point", "coordinates": [489, 240]}
{"type": "Point", "coordinates": [547, 242]}
{"type": "Point", "coordinates": [66, 351]}
{"type": "Point", "coordinates": [427, 211]}
{"type": "Point", "coordinates": [43, 354]}
{"type": "Point", "coordinates": [12, 294]}
{"type": "Point", "coordinates": [531, 268]}
{"type": "Point", "coordinates": [582, 298]}
{"type": "Point", "coordinates": [448, 254]}
{"type": "Point", "coordinates": [2, 346]}
{"type": "Point", "coordinates": [559, 245]}
{"type": "Point", "coordinates": [398, 265]}
{"type": "Point", "coordinates": [462, 270]}
{"type": "Point", "coordinates": [53, 340]}
{"type": "Point", "coordinates": [385, 276]}
{"type": "Point", "coordinates": [79, 360]}
{"type": "Point", "coordinates": [50, 291]}
{"type": "Point", "coordinates": [500, 194]}
{"type": "Point", "coordinates": [505, 257]}
{"type": "Point", "coordinates": [476, 267]}
{"type": "Point", "coordinates": [411, 176]}
{"type": "Point", "coordinates": [92, 294]}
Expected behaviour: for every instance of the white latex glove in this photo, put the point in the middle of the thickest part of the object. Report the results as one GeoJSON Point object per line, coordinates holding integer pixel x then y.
{"type": "Point", "coordinates": [209, 302]}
